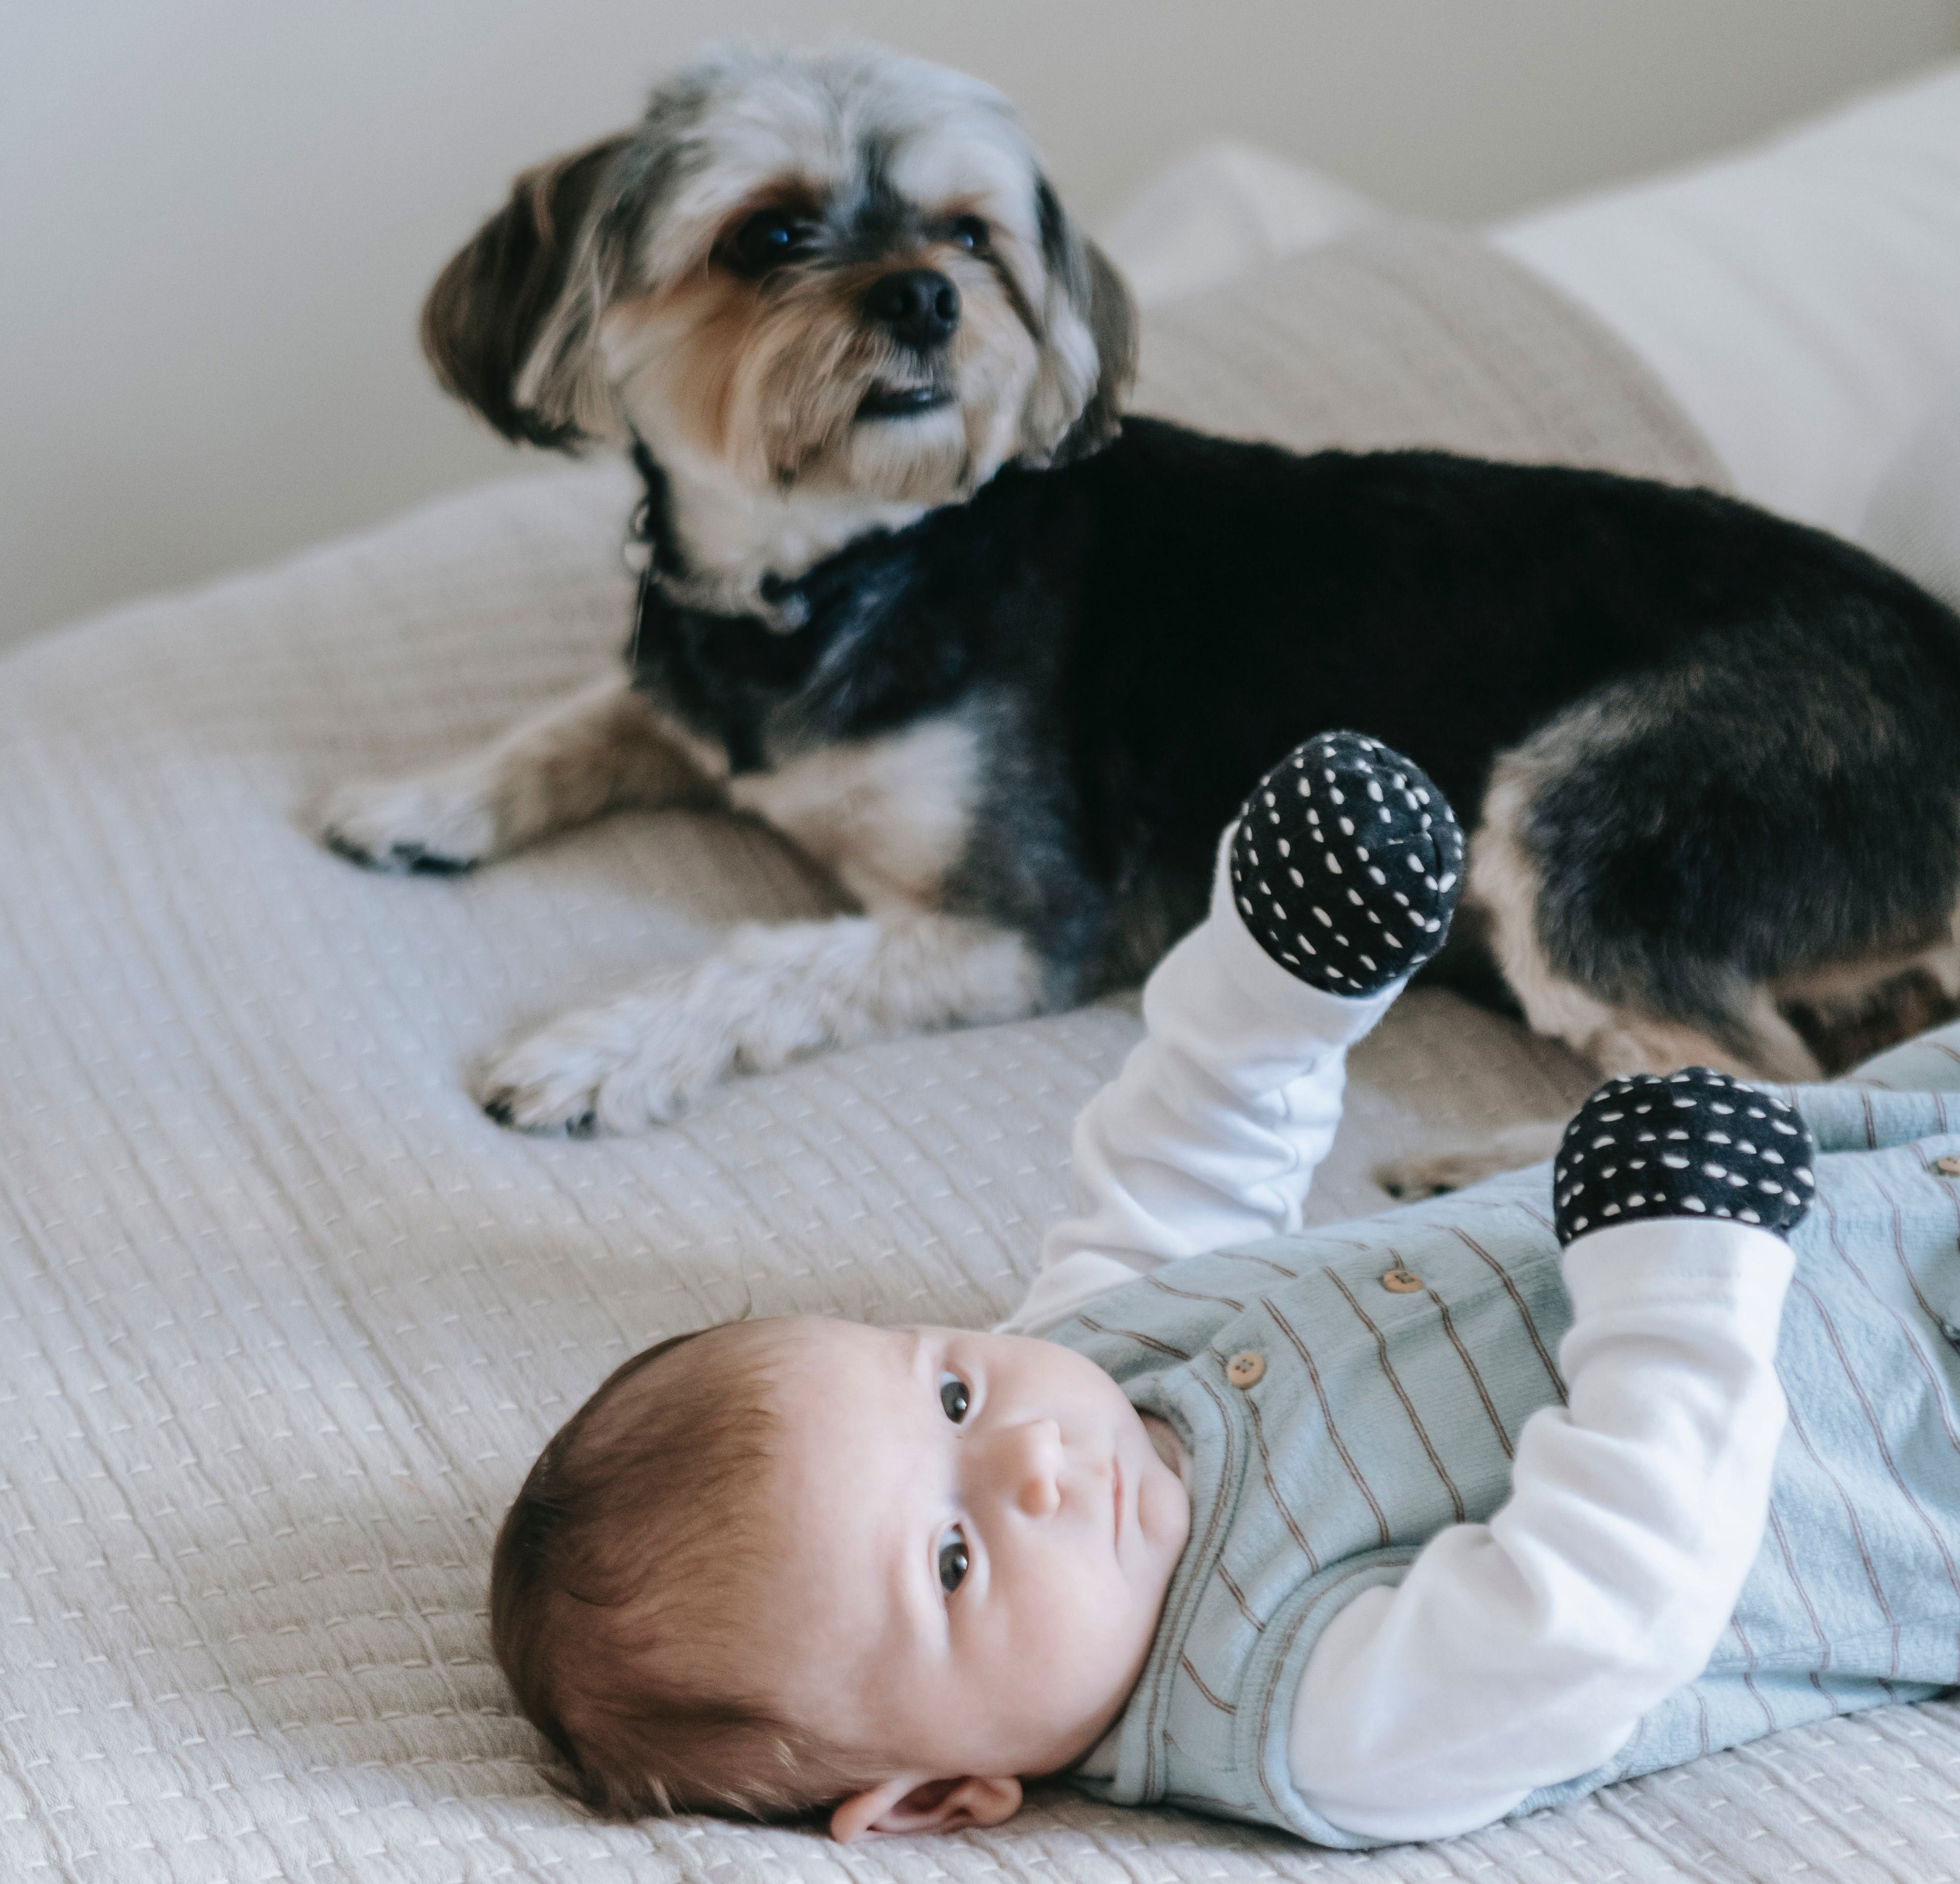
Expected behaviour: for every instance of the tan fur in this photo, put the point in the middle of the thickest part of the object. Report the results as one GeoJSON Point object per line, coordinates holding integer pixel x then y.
{"type": "Point", "coordinates": [765, 381]}
{"type": "Point", "coordinates": [601, 750]}
{"type": "Point", "coordinates": [704, 320]}
{"type": "Point", "coordinates": [748, 396]}
{"type": "Point", "coordinates": [888, 817]}
{"type": "Point", "coordinates": [1454, 1166]}
{"type": "Point", "coordinates": [1848, 987]}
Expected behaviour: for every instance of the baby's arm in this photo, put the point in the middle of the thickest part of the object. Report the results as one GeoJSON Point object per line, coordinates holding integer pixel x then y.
{"type": "Point", "coordinates": [1335, 884]}
{"type": "Point", "coordinates": [1521, 1653]}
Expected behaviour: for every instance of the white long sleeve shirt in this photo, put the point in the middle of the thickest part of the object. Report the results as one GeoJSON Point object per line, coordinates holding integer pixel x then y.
{"type": "Point", "coordinates": [1515, 1654]}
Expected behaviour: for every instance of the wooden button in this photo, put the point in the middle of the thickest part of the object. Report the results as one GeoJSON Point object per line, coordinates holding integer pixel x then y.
{"type": "Point", "coordinates": [1245, 1369]}
{"type": "Point", "coordinates": [1400, 1282]}
{"type": "Point", "coordinates": [1947, 1166]}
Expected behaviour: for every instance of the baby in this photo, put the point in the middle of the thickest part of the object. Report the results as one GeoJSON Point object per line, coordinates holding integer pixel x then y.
{"type": "Point", "coordinates": [1377, 1532]}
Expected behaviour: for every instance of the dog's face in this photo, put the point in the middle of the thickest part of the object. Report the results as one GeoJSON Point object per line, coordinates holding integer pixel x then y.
{"type": "Point", "coordinates": [842, 274]}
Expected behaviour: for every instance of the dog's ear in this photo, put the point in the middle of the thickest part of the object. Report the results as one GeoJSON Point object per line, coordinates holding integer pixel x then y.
{"type": "Point", "coordinates": [1089, 351]}
{"type": "Point", "coordinates": [511, 323]}
{"type": "Point", "coordinates": [1112, 324]}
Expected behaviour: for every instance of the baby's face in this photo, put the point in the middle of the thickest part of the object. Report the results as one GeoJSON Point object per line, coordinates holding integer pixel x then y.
{"type": "Point", "coordinates": [976, 1538]}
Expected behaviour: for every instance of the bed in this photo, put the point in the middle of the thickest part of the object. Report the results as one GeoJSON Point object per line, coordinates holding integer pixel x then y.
{"type": "Point", "coordinates": [284, 1318]}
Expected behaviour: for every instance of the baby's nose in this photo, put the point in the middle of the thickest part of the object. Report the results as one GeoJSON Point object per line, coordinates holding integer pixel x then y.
{"type": "Point", "coordinates": [1035, 1465]}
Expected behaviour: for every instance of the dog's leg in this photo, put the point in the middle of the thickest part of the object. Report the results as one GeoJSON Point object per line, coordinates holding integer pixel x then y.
{"type": "Point", "coordinates": [1503, 886]}
{"type": "Point", "coordinates": [602, 750]}
{"type": "Point", "coordinates": [771, 995]}
{"type": "Point", "coordinates": [1771, 1048]}
{"type": "Point", "coordinates": [1454, 1167]}
{"type": "Point", "coordinates": [1635, 1045]}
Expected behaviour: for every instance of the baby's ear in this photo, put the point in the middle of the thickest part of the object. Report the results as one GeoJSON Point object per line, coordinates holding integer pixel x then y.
{"type": "Point", "coordinates": [910, 1804]}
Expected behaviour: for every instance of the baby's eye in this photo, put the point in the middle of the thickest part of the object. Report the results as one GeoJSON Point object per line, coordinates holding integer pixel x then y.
{"type": "Point", "coordinates": [953, 1396]}
{"type": "Point", "coordinates": [952, 1560]}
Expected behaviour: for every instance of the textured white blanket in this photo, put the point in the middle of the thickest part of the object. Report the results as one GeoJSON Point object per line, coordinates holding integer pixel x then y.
{"type": "Point", "coordinates": [283, 1319]}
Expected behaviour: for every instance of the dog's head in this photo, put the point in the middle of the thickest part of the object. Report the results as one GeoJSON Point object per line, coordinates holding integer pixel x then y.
{"type": "Point", "coordinates": [843, 273]}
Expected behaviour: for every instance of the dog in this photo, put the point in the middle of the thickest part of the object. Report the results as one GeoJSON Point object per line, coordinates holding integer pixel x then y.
{"type": "Point", "coordinates": [918, 594]}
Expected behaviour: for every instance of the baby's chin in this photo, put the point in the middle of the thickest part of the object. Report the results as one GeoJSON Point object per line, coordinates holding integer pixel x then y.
{"type": "Point", "coordinates": [1163, 1505]}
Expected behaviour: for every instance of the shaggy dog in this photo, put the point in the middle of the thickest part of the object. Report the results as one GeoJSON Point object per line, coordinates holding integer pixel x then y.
{"type": "Point", "coordinates": [1003, 661]}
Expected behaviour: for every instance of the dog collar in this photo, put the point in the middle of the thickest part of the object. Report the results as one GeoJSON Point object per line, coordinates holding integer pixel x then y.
{"type": "Point", "coordinates": [653, 551]}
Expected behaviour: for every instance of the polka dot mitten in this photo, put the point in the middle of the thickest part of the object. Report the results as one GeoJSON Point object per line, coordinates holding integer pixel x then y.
{"type": "Point", "coordinates": [1691, 1144]}
{"type": "Point", "coordinates": [1346, 865]}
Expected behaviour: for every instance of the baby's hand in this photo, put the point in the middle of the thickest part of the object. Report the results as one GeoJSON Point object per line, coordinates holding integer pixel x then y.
{"type": "Point", "coordinates": [1691, 1144]}
{"type": "Point", "coordinates": [1346, 865]}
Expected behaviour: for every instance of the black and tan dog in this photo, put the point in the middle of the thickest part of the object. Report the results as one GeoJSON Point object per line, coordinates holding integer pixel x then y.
{"type": "Point", "coordinates": [1004, 661]}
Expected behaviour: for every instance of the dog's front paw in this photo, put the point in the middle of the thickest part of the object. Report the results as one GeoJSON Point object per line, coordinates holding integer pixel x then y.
{"type": "Point", "coordinates": [622, 1068]}
{"type": "Point", "coordinates": [436, 826]}
{"type": "Point", "coordinates": [1422, 1174]}
{"type": "Point", "coordinates": [1456, 1167]}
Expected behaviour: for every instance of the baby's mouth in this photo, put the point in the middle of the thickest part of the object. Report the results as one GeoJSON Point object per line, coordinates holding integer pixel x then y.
{"type": "Point", "coordinates": [1116, 1497]}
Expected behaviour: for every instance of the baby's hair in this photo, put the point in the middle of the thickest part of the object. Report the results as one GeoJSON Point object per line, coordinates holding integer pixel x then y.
{"type": "Point", "coordinates": [617, 1595]}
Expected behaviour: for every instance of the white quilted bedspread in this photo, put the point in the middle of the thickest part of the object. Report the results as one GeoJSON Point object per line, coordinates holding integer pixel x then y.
{"type": "Point", "coordinates": [283, 1319]}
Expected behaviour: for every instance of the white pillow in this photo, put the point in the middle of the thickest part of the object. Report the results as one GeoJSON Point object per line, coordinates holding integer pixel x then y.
{"type": "Point", "coordinates": [1914, 519]}
{"type": "Point", "coordinates": [1802, 300]}
{"type": "Point", "coordinates": [1221, 210]}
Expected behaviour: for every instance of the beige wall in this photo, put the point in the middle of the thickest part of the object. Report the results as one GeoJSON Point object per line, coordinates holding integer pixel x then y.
{"type": "Point", "coordinates": [217, 217]}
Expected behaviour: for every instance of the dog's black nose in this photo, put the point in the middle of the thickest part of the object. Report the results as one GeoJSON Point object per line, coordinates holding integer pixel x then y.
{"type": "Point", "coordinates": [920, 306]}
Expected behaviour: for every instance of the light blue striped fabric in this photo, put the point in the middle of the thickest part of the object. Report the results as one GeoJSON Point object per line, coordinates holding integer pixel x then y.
{"type": "Point", "coordinates": [1381, 1417]}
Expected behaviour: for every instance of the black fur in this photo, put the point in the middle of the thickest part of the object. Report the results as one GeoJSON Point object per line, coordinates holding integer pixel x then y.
{"type": "Point", "coordinates": [1763, 775]}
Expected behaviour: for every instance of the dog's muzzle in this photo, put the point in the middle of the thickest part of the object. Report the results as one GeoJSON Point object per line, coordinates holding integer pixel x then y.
{"type": "Point", "coordinates": [921, 309]}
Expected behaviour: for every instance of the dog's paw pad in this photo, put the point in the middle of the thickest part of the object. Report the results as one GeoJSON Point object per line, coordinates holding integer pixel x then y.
{"type": "Point", "coordinates": [1409, 1179]}
{"type": "Point", "coordinates": [343, 845]}
{"type": "Point", "coordinates": [399, 860]}
{"type": "Point", "coordinates": [432, 863]}
{"type": "Point", "coordinates": [520, 1111]}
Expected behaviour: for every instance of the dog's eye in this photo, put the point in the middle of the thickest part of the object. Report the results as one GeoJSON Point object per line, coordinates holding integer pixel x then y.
{"type": "Point", "coordinates": [769, 238]}
{"type": "Point", "coordinates": [969, 232]}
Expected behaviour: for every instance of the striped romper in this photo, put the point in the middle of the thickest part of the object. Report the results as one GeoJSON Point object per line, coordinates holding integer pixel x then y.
{"type": "Point", "coordinates": [1345, 1394]}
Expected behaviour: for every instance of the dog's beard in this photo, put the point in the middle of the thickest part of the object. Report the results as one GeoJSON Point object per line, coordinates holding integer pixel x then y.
{"type": "Point", "coordinates": [789, 389]}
